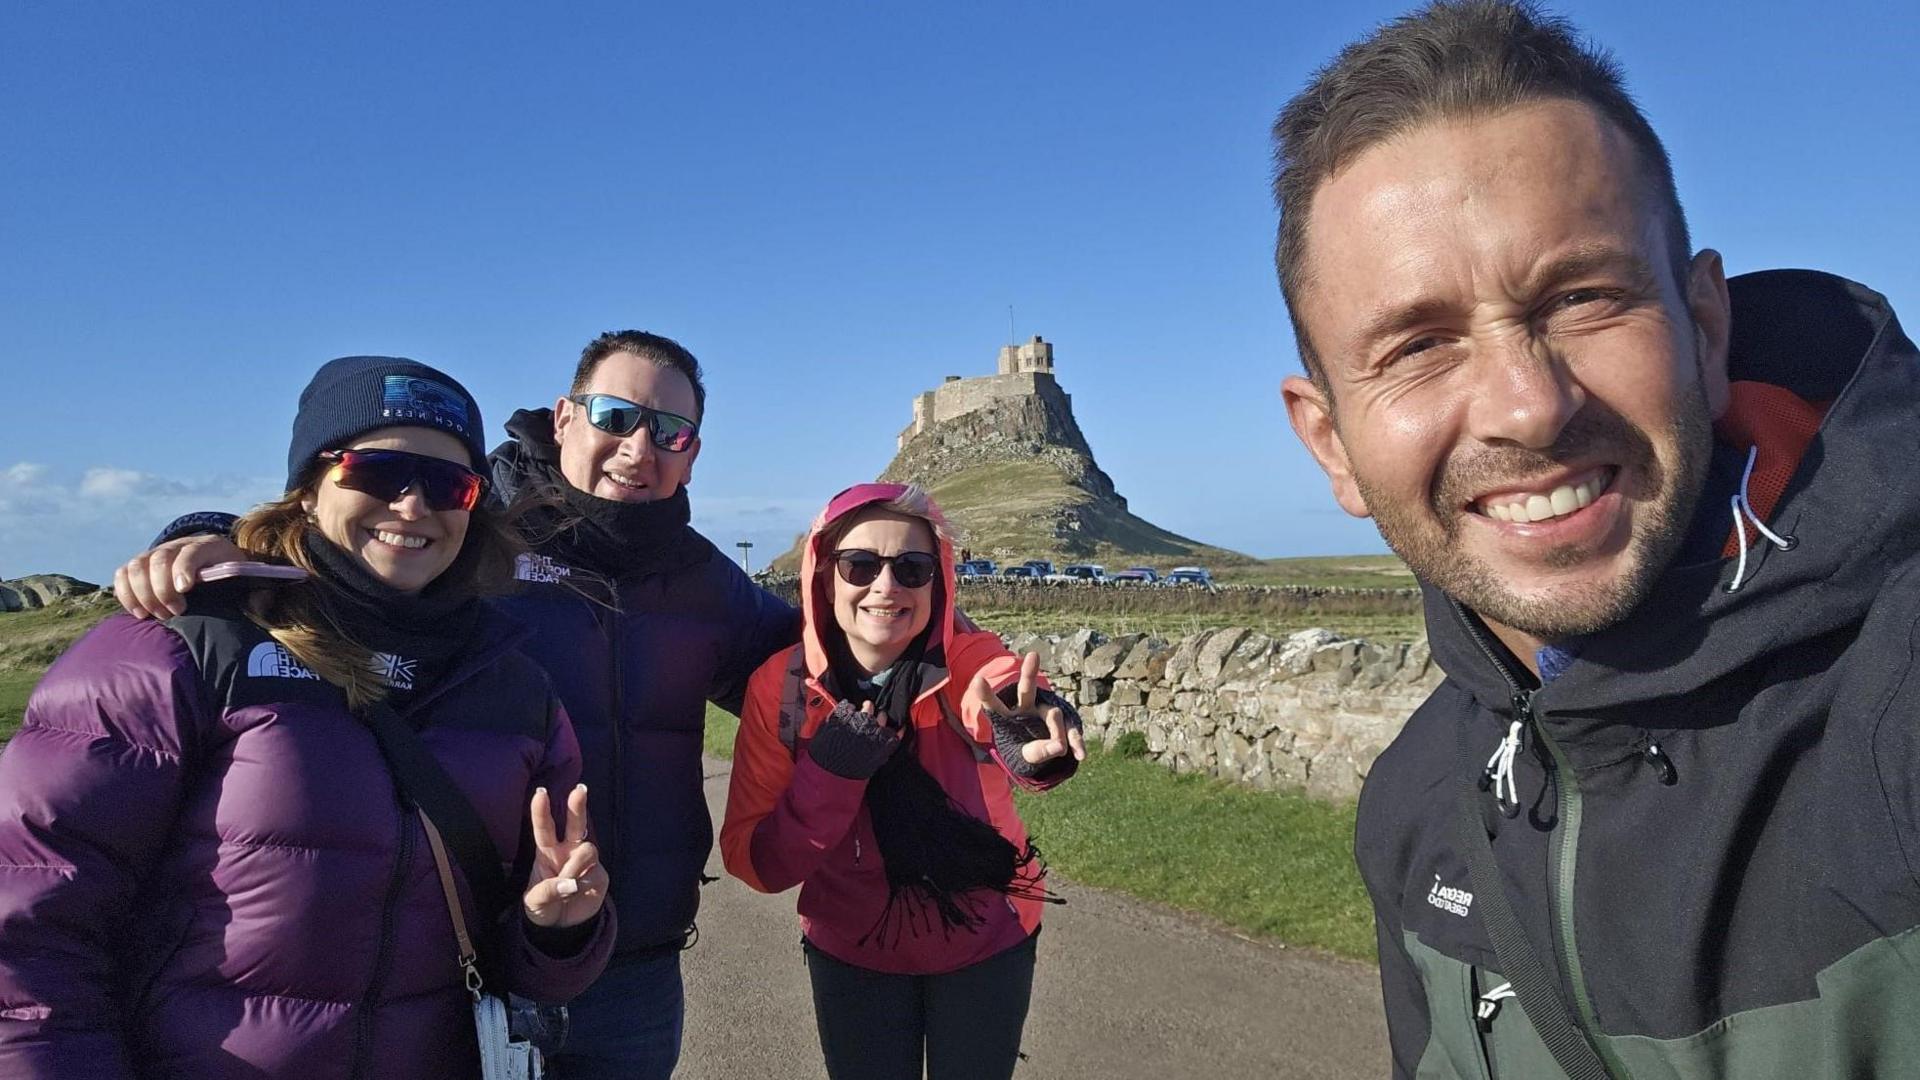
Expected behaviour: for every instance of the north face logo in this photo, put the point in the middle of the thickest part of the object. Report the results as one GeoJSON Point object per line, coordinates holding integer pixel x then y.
{"type": "Point", "coordinates": [271, 660]}
{"type": "Point", "coordinates": [540, 568]}
{"type": "Point", "coordinates": [1449, 899]}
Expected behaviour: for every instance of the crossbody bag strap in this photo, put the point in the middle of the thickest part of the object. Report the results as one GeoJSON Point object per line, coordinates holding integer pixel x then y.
{"type": "Point", "coordinates": [467, 953]}
{"type": "Point", "coordinates": [1539, 996]}
{"type": "Point", "coordinates": [425, 784]}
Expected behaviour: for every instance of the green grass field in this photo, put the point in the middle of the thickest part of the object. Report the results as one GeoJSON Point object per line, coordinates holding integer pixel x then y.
{"type": "Point", "coordinates": [1271, 865]}
{"type": "Point", "coordinates": [1385, 629]}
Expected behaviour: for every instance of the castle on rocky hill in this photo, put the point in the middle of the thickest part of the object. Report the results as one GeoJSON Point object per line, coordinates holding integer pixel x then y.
{"type": "Point", "coordinates": [1024, 371]}
{"type": "Point", "coordinates": [1019, 413]}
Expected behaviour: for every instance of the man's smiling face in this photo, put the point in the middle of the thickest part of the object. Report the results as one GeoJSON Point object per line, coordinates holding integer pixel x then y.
{"type": "Point", "coordinates": [1516, 387]}
{"type": "Point", "coordinates": [626, 468]}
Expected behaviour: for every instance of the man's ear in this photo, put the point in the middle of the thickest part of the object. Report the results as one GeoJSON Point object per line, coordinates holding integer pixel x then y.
{"type": "Point", "coordinates": [562, 418]}
{"type": "Point", "coordinates": [1311, 414]}
{"type": "Point", "coordinates": [692, 453]}
{"type": "Point", "coordinates": [1712, 312]}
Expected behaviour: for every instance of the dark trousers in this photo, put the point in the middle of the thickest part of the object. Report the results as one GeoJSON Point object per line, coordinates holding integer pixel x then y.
{"type": "Point", "coordinates": [964, 1025]}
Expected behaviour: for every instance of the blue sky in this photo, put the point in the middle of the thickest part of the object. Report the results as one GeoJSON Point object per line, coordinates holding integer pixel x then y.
{"type": "Point", "coordinates": [832, 204]}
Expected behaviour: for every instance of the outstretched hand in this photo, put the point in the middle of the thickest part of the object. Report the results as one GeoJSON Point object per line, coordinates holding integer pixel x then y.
{"type": "Point", "coordinates": [154, 583]}
{"type": "Point", "coordinates": [1060, 739]}
{"type": "Point", "coordinates": [568, 885]}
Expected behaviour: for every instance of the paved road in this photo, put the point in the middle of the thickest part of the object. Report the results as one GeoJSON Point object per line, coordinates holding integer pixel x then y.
{"type": "Point", "coordinates": [1124, 990]}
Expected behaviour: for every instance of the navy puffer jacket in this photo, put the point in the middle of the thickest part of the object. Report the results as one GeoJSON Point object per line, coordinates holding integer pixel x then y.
{"type": "Point", "coordinates": [208, 873]}
{"type": "Point", "coordinates": [636, 652]}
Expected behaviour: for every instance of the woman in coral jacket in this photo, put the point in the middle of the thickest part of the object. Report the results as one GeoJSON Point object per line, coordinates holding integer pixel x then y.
{"type": "Point", "coordinates": [873, 768]}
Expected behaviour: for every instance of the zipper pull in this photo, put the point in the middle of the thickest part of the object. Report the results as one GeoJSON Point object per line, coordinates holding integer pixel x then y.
{"type": "Point", "coordinates": [1658, 758]}
{"type": "Point", "coordinates": [1497, 777]}
{"type": "Point", "coordinates": [856, 851]}
{"type": "Point", "coordinates": [1488, 1005]}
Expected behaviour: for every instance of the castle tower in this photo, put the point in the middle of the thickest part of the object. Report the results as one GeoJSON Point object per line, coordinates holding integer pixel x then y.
{"type": "Point", "coordinates": [1035, 357]}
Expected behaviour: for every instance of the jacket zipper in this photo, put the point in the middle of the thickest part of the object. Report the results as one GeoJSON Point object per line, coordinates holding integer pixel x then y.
{"type": "Point", "coordinates": [383, 957]}
{"type": "Point", "coordinates": [1562, 854]}
{"type": "Point", "coordinates": [616, 720]}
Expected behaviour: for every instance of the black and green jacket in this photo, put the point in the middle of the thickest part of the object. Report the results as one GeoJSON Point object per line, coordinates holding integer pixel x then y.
{"type": "Point", "coordinates": [1744, 900]}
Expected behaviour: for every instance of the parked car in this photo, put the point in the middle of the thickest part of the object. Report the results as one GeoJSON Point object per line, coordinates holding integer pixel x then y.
{"type": "Point", "coordinates": [1141, 575]}
{"type": "Point", "coordinates": [1041, 567]}
{"type": "Point", "coordinates": [1189, 575]}
{"type": "Point", "coordinates": [1083, 572]}
{"type": "Point", "coordinates": [1022, 571]}
{"type": "Point", "coordinates": [983, 567]}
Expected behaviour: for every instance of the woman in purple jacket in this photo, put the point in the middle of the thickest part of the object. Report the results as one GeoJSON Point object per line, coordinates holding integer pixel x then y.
{"type": "Point", "coordinates": [206, 869]}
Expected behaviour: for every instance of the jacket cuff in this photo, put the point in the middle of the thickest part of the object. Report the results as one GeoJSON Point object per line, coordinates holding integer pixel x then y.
{"type": "Point", "coordinates": [561, 942]}
{"type": "Point", "coordinates": [555, 980]}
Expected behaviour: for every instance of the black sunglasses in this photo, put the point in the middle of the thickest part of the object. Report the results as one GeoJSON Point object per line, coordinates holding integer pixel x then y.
{"type": "Point", "coordinates": [618, 416]}
{"type": "Point", "coordinates": [860, 567]}
{"type": "Point", "coordinates": [388, 474]}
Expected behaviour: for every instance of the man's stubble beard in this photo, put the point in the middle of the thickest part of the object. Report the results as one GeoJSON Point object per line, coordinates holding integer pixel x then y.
{"type": "Point", "coordinates": [1564, 611]}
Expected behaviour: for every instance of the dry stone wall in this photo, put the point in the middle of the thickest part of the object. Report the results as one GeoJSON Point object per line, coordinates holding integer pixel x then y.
{"type": "Point", "coordinates": [1308, 712]}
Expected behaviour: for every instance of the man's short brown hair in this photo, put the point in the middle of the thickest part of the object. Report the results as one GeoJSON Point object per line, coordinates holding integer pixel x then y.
{"type": "Point", "coordinates": [659, 351]}
{"type": "Point", "coordinates": [1451, 59]}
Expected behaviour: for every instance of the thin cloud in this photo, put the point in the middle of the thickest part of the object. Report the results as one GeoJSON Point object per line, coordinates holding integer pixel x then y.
{"type": "Point", "coordinates": [52, 521]}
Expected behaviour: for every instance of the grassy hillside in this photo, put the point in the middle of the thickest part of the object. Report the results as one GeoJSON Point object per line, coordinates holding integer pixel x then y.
{"type": "Point", "coordinates": [1010, 511]}
{"type": "Point", "coordinates": [1330, 571]}
{"type": "Point", "coordinates": [29, 641]}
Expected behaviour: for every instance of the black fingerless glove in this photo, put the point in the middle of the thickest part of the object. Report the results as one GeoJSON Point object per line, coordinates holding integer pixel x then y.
{"type": "Point", "coordinates": [852, 744]}
{"type": "Point", "coordinates": [1012, 733]}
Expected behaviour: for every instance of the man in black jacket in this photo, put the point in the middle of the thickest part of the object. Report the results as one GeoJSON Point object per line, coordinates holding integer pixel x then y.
{"type": "Point", "coordinates": [1668, 797]}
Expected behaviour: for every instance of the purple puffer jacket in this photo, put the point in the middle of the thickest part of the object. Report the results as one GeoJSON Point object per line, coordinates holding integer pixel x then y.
{"type": "Point", "coordinates": [212, 877]}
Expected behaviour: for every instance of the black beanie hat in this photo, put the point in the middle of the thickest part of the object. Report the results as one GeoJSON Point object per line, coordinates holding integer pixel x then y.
{"type": "Point", "coordinates": [353, 395]}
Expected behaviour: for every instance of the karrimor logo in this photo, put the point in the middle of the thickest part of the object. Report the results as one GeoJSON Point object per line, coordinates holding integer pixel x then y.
{"type": "Point", "coordinates": [540, 568]}
{"type": "Point", "coordinates": [1449, 899]}
{"type": "Point", "coordinates": [271, 660]}
{"type": "Point", "coordinates": [395, 671]}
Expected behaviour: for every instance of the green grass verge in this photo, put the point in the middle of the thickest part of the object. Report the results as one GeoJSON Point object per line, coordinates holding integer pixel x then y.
{"type": "Point", "coordinates": [14, 688]}
{"type": "Point", "coordinates": [1272, 865]}
{"type": "Point", "coordinates": [1385, 629]}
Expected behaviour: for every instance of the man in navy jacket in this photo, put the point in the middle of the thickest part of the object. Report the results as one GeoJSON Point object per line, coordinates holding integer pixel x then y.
{"type": "Point", "coordinates": [639, 621]}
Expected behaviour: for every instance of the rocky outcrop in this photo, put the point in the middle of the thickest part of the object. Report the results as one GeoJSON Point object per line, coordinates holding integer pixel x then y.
{"type": "Point", "coordinates": [39, 590]}
{"type": "Point", "coordinates": [1308, 712]}
{"type": "Point", "coordinates": [1034, 426]}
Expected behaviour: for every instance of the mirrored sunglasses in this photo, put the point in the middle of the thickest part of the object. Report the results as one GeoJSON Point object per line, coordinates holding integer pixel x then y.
{"type": "Point", "coordinates": [860, 567]}
{"type": "Point", "coordinates": [388, 474]}
{"type": "Point", "coordinates": [618, 416]}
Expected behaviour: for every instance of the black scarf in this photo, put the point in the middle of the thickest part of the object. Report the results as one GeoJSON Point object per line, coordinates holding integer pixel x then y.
{"type": "Point", "coordinates": [417, 636]}
{"type": "Point", "coordinates": [938, 857]}
{"type": "Point", "coordinates": [616, 538]}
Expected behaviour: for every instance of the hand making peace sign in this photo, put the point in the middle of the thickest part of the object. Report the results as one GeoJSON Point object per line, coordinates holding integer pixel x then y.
{"type": "Point", "coordinates": [568, 885]}
{"type": "Point", "coordinates": [1051, 737]}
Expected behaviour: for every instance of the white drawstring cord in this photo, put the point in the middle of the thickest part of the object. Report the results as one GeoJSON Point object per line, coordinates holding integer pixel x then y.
{"type": "Point", "coordinates": [1500, 767]}
{"type": "Point", "coordinates": [1490, 1001]}
{"type": "Point", "coordinates": [1743, 512]}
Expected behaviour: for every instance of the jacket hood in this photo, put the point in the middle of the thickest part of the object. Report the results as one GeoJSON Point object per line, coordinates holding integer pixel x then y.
{"type": "Point", "coordinates": [528, 453]}
{"type": "Point", "coordinates": [1799, 338]}
{"type": "Point", "coordinates": [816, 593]}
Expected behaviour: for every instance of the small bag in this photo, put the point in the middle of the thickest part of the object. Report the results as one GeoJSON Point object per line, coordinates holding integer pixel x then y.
{"type": "Point", "coordinates": [502, 1057]}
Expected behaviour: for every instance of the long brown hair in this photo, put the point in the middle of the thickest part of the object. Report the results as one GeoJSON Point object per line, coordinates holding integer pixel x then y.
{"type": "Point", "coordinates": [296, 614]}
